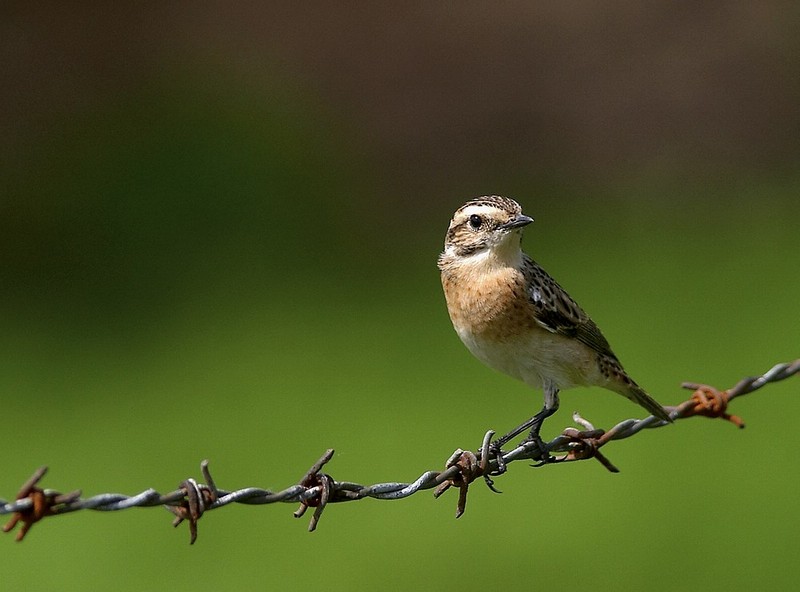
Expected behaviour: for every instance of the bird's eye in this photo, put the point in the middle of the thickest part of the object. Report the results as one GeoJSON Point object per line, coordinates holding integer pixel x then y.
{"type": "Point", "coordinates": [475, 221]}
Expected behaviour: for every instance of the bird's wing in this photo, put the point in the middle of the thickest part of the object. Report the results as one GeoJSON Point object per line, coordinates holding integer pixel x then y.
{"type": "Point", "coordinates": [557, 312]}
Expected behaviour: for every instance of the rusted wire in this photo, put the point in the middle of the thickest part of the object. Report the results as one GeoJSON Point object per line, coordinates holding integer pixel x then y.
{"type": "Point", "coordinates": [317, 489]}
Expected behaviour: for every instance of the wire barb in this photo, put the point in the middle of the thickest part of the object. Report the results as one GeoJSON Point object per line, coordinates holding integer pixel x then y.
{"type": "Point", "coordinates": [468, 468]}
{"type": "Point", "coordinates": [197, 499]}
{"type": "Point", "coordinates": [317, 489]}
{"type": "Point", "coordinates": [322, 484]}
{"type": "Point", "coordinates": [40, 503]}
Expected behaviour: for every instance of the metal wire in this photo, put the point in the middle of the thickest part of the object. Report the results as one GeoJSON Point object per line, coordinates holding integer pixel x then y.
{"type": "Point", "coordinates": [317, 489]}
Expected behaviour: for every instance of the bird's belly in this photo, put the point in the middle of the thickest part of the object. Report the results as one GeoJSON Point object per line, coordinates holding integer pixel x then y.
{"type": "Point", "coordinates": [535, 357]}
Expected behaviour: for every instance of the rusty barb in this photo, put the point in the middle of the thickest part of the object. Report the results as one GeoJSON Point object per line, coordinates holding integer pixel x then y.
{"type": "Point", "coordinates": [197, 498]}
{"type": "Point", "coordinates": [316, 489]}
{"type": "Point", "coordinates": [41, 503]}
{"type": "Point", "coordinates": [708, 402]}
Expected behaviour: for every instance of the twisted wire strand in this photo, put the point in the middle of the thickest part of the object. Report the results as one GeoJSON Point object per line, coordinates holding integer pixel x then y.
{"type": "Point", "coordinates": [318, 489]}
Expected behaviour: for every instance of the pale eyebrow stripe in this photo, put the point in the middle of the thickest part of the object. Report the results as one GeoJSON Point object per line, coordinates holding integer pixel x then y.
{"type": "Point", "coordinates": [476, 209]}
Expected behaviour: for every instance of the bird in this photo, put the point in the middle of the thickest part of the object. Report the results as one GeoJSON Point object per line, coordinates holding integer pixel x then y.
{"type": "Point", "coordinates": [515, 318]}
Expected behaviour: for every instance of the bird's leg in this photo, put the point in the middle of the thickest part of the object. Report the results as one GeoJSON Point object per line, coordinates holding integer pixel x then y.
{"type": "Point", "coordinates": [551, 403]}
{"type": "Point", "coordinates": [534, 424]}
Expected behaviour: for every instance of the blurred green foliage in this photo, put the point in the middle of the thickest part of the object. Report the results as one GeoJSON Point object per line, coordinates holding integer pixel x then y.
{"type": "Point", "coordinates": [190, 273]}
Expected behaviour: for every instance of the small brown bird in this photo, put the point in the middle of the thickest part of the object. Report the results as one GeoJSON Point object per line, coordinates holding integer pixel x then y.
{"type": "Point", "coordinates": [516, 319]}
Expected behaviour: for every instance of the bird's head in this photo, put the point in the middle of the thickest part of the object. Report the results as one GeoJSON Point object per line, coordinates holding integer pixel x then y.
{"type": "Point", "coordinates": [485, 226]}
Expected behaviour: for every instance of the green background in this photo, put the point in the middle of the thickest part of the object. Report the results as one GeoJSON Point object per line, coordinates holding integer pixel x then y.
{"type": "Point", "coordinates": [205, 261]}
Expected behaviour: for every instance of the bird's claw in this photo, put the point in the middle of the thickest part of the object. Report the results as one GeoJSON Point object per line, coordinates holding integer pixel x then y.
{"type": "Point", "coordinates": [494, 452]}
{"type": "Point", "coordinates": [537, 444]}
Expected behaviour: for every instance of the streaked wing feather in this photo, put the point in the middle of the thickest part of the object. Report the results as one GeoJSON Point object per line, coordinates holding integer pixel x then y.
{"type": "Point", "coordinates": [557, 312]}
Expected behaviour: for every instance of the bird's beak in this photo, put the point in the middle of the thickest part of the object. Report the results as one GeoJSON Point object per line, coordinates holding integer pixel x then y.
{"type": "Point", "coordinates": [516, 222]}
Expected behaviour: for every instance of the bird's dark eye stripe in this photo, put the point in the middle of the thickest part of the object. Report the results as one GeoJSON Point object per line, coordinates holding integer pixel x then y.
{"type": "Point", "coordinates": [475, 221]}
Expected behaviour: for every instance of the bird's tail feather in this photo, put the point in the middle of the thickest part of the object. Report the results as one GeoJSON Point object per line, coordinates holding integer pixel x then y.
{"type": "Point", "coordinates": [638, 395]}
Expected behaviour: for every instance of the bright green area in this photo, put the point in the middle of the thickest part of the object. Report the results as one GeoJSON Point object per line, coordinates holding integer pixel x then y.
{"type": "Point", "coordinates": [191, 277]}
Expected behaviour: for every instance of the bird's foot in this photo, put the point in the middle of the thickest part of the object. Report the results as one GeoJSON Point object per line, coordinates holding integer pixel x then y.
{"type": "Point", "coordinates": [537, 445]}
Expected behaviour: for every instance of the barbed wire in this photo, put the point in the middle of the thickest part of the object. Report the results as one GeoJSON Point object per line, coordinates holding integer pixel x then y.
{"type": "Point", "coordinates": [318, 489]}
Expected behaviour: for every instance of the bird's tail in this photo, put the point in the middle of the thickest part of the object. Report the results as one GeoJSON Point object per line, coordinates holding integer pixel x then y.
{"type": "Point", "coordinates": [638, 395]}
